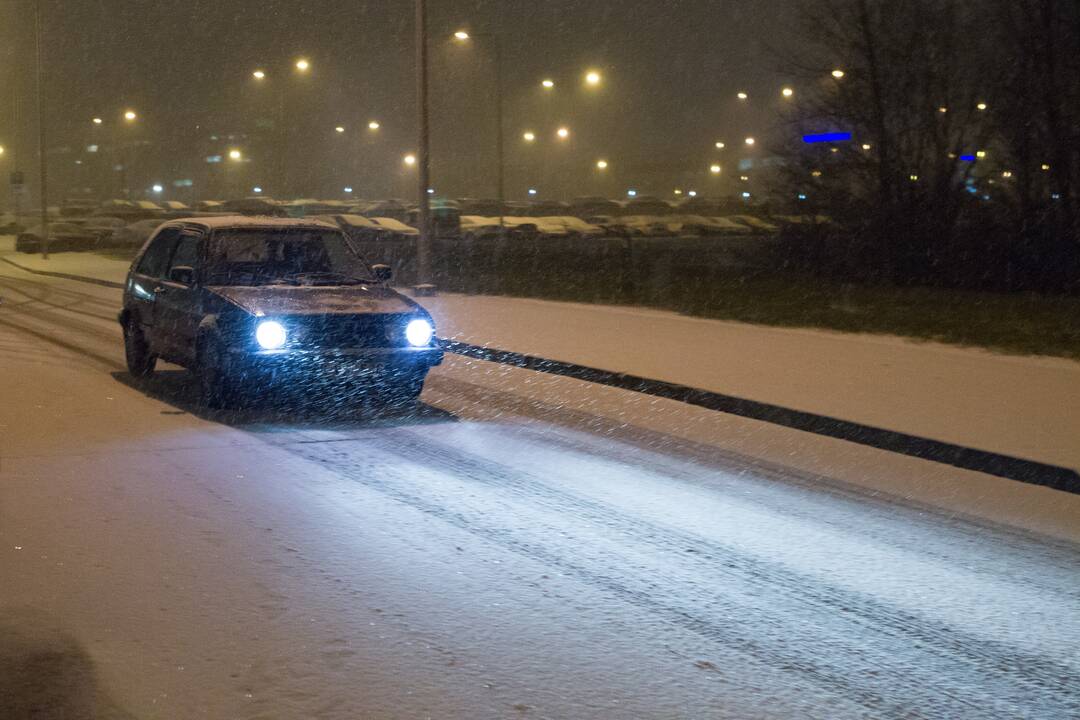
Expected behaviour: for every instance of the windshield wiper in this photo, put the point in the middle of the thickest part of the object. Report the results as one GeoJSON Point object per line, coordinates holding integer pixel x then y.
{"type": "Point", "coordinates": [334, 278]}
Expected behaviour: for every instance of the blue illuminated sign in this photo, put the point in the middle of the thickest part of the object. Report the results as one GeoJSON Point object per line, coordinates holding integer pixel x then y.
{"type": "Point", "coordinates": [827, 137]}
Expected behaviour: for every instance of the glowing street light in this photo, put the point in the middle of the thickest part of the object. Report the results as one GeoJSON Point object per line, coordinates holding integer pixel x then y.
{"type": "Point", "coordinates": [235, 155]}
{"type": "Point", "coordinates": [815, 173]}
{"type": "Point", "coordinates": [409, 159]}
{"type": "Point", "coordinates": [528, 136]}
{"type": "Point", "coordinates": [592, 78]}
{"type": "Point", "coordinates": [838, 73]}
{"type": "Point", "coordinates": [563, 133]}
{"type": "Point", "coordinates": [158, 188]}
{"type": "Point", "coordinates": [547, 84]}
{"type": "Point", "coordinates": [714, 169]}
{"type": "Point", "coordinates": [259, 74]}
{"type": "Point", "coordinates": [601, 164]}
{"type": "Point", "coordinates": [1, 149]}
{"type": "Point", "coordinates": [981, 106]}
{"type": "Point", "coordinates": [461, 35]}
{"type": "Point", "coordinates": [787, 92]}
{"type": "Point", "coordinates": [97, 121]}
{"type": "Point", "coordinates": [749, 141]}
{"type": "Point", "coordinates": [1044, 167]}
{"type": "Point", "coordinates": [980, 154]}
{"type": "Point", "coordinates": [373, 125]}
{"type": "Point", "coordinates": [130, 116]}
{"type": "Point", "coordinates": [943, 109]}
{"type": "Point", "coordinates": [339, 129]}
{"type": "Point", "coordinates": [303, 65]}
{"type": "Point", "coordinates": [866, 146]}
{"type": "Point", "coordinates": [720, 146]}
{"type": "Point", "coordinates": [742, 95]}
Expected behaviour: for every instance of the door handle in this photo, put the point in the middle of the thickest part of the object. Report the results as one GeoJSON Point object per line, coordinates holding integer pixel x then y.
{"type": "Point", "coordinates": [159, 289]}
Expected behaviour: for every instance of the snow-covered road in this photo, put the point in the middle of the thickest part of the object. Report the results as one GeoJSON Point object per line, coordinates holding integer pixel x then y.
{"type": "Point", "coordinates": [521, 546]}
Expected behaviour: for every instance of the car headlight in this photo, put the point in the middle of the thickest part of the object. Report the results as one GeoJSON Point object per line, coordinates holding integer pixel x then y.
{"type": "Point", "coordinates": [419, 332]}
{"type": "Point", "coordinates": [270, 334]}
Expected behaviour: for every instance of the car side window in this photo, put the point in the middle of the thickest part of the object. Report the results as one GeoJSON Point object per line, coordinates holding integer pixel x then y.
{"type": "Point", "coordinates": [187, 252]}
{"type": "Point", "coordinates": [156, 257]}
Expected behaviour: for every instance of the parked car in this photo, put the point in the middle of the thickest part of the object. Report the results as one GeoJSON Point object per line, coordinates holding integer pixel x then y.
{"type": "Point", "coordinates": [647, 205]}
{"type": "Point", "coordinates": [245, 301]}
{"type": "Point", "coordinates": [254, 207]}
{"type": "Point", "coordinates": [63, 237]}
{"type": "Point", "coordinates": [357, 227]}
{"type": "Point", "coordinates": [132, 235]}
{"type": "Point", "coordinates": [102, 226]}
{"type": "Point", "coordinates": [10, 225]}
{"type": "Point", "coordinates": [393, 228]}
{"type": "Point", "coordinates": [594, 206]}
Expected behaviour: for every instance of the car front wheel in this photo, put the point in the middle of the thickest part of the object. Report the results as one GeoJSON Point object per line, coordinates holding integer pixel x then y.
{"type": "Point", "coordinates": [140, 362]}
{"type": "Point", "coordinates": [217, 389]}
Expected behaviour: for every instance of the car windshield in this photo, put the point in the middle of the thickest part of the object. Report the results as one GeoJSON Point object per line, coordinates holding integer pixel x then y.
{"type": "Point", "coordinates": [295, 256]}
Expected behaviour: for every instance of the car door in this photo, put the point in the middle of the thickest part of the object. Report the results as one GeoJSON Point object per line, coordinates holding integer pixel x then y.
{"type": "Point", "coordinates": [178, 305]}
{"type": "Point", "coordinates": [145, 278]}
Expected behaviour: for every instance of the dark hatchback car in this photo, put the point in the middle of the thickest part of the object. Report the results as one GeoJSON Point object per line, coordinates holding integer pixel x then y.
{"type": "Point", "coordinates": [252, 303]}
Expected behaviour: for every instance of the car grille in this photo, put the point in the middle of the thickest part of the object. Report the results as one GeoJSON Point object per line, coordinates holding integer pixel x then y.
{"type": "Point", "coordinates": [346, 331]}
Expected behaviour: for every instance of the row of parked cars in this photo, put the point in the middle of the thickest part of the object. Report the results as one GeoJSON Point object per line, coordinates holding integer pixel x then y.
{"type": "Point", "coordinates": [127, 224]}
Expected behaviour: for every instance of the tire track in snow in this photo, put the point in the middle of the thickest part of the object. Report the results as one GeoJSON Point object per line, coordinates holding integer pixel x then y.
{"type": "Point", "coordinates": [886, 688]}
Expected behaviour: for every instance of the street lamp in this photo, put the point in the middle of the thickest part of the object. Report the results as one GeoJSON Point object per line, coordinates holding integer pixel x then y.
{"type": "Point", "coordinates": [528, 136]}
{"type": "Point", "coordinates": [741, 95]}
{"type": "Point", "coordinates": [787, 92]}
{"type": "Point", "coordinates": [601, 164]}
{"type": "Point", "coordinates": [97, 121]}
{"type": "Point", "coordinates": [563, 133]}
{"type": "Point", "coordinates": [303, 65]}
{"type": "Point", "coordinates": [339, 129]}
{"type": "Point", "coordinates": [838, 73]}
{"type": "Point", "coordinates": [720, 145]}
{"type": "Point", "coordinates": [749, 141]}
{"type": "Point", "coordinates": [235, 154]}
{"type": "Point", "coordinates": [258, 74]}
{"type": "Point", "coordinates": [592, 78]}
{"type": "Point", "coordinates": [500, 181]}
{"type": "Point", "coordinates": [981, 106]}
{"type": "Point", "coordinates": [409, 159]}
{"type": "Point", "coordinates": [547, 84]}
{"type": "Point", "coordinates": [130, 115]}
{"type": "Point", "coordinates": [373, 125]}
{"type": "Point", "coordinates": [714, 169]}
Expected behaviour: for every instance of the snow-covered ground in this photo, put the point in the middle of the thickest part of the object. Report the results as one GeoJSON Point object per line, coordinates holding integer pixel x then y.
{"type": "Point", "coordinates": [523, 545]}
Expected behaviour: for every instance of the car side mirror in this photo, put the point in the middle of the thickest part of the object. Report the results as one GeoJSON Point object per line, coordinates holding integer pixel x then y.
{"type": "Point", "coordinates": [183, 274]}
{"type": "Point", "coordinates": [382, 273]}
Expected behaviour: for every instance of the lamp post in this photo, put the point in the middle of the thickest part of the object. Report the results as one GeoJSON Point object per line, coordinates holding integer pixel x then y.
{"type": "Point", "coordinates": [500, 179]}
{"type": "Point", "coordinates": [424, 285]}
{"type": "Point", "coordinates": [301, 66]}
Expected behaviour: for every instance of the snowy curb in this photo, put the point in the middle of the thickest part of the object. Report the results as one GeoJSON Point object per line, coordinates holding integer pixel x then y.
{"type": "Point", "coordinates": [991, 463]}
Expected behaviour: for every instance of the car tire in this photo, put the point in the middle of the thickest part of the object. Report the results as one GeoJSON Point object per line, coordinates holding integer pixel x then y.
{"type": "Point", "coordinates": [140, 361]}
{"type": "Point", "coordinates": [217, 388]}
{"type": "Point", "coordinates": [406, 392]}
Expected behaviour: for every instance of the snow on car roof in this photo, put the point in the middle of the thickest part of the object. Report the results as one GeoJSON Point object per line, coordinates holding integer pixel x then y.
{"type": "Point", "coordinates": [248, 221]}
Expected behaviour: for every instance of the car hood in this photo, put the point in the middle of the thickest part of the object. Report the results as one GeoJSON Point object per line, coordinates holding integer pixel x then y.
{"type": "Point", "coordinates": [337, 300]}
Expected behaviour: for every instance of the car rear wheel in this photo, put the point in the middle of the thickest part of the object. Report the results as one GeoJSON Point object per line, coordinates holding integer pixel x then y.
{"type": "Point", "coordinates": [140, 362]}
{"type": "Point", "coordinates": [217, 389]}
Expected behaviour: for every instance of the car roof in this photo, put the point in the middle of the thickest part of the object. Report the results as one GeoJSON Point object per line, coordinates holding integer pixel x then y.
{"type": "Point", "coordinates": [240, 222]}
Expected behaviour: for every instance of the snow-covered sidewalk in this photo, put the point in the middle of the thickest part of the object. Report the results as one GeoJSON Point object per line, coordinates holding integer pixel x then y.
{"type": "Point", "coordinates": [1028, 407]}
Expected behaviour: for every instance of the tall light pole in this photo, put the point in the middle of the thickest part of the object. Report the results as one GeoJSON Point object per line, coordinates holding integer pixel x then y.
{"type": "Point", "coordinates": [500, 171]}
{"type": "Point", "coordinates": [42, 161]}
{"type": "Point", "coordinates": [424, 285]}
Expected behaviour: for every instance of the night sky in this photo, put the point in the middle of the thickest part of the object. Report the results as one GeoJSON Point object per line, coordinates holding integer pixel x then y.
{"type": "Point", "coordinates": [671, 70]}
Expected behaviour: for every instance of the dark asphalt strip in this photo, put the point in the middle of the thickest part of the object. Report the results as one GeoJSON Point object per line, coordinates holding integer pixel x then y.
{"type": "Point", "coordinates": [991, 463]}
